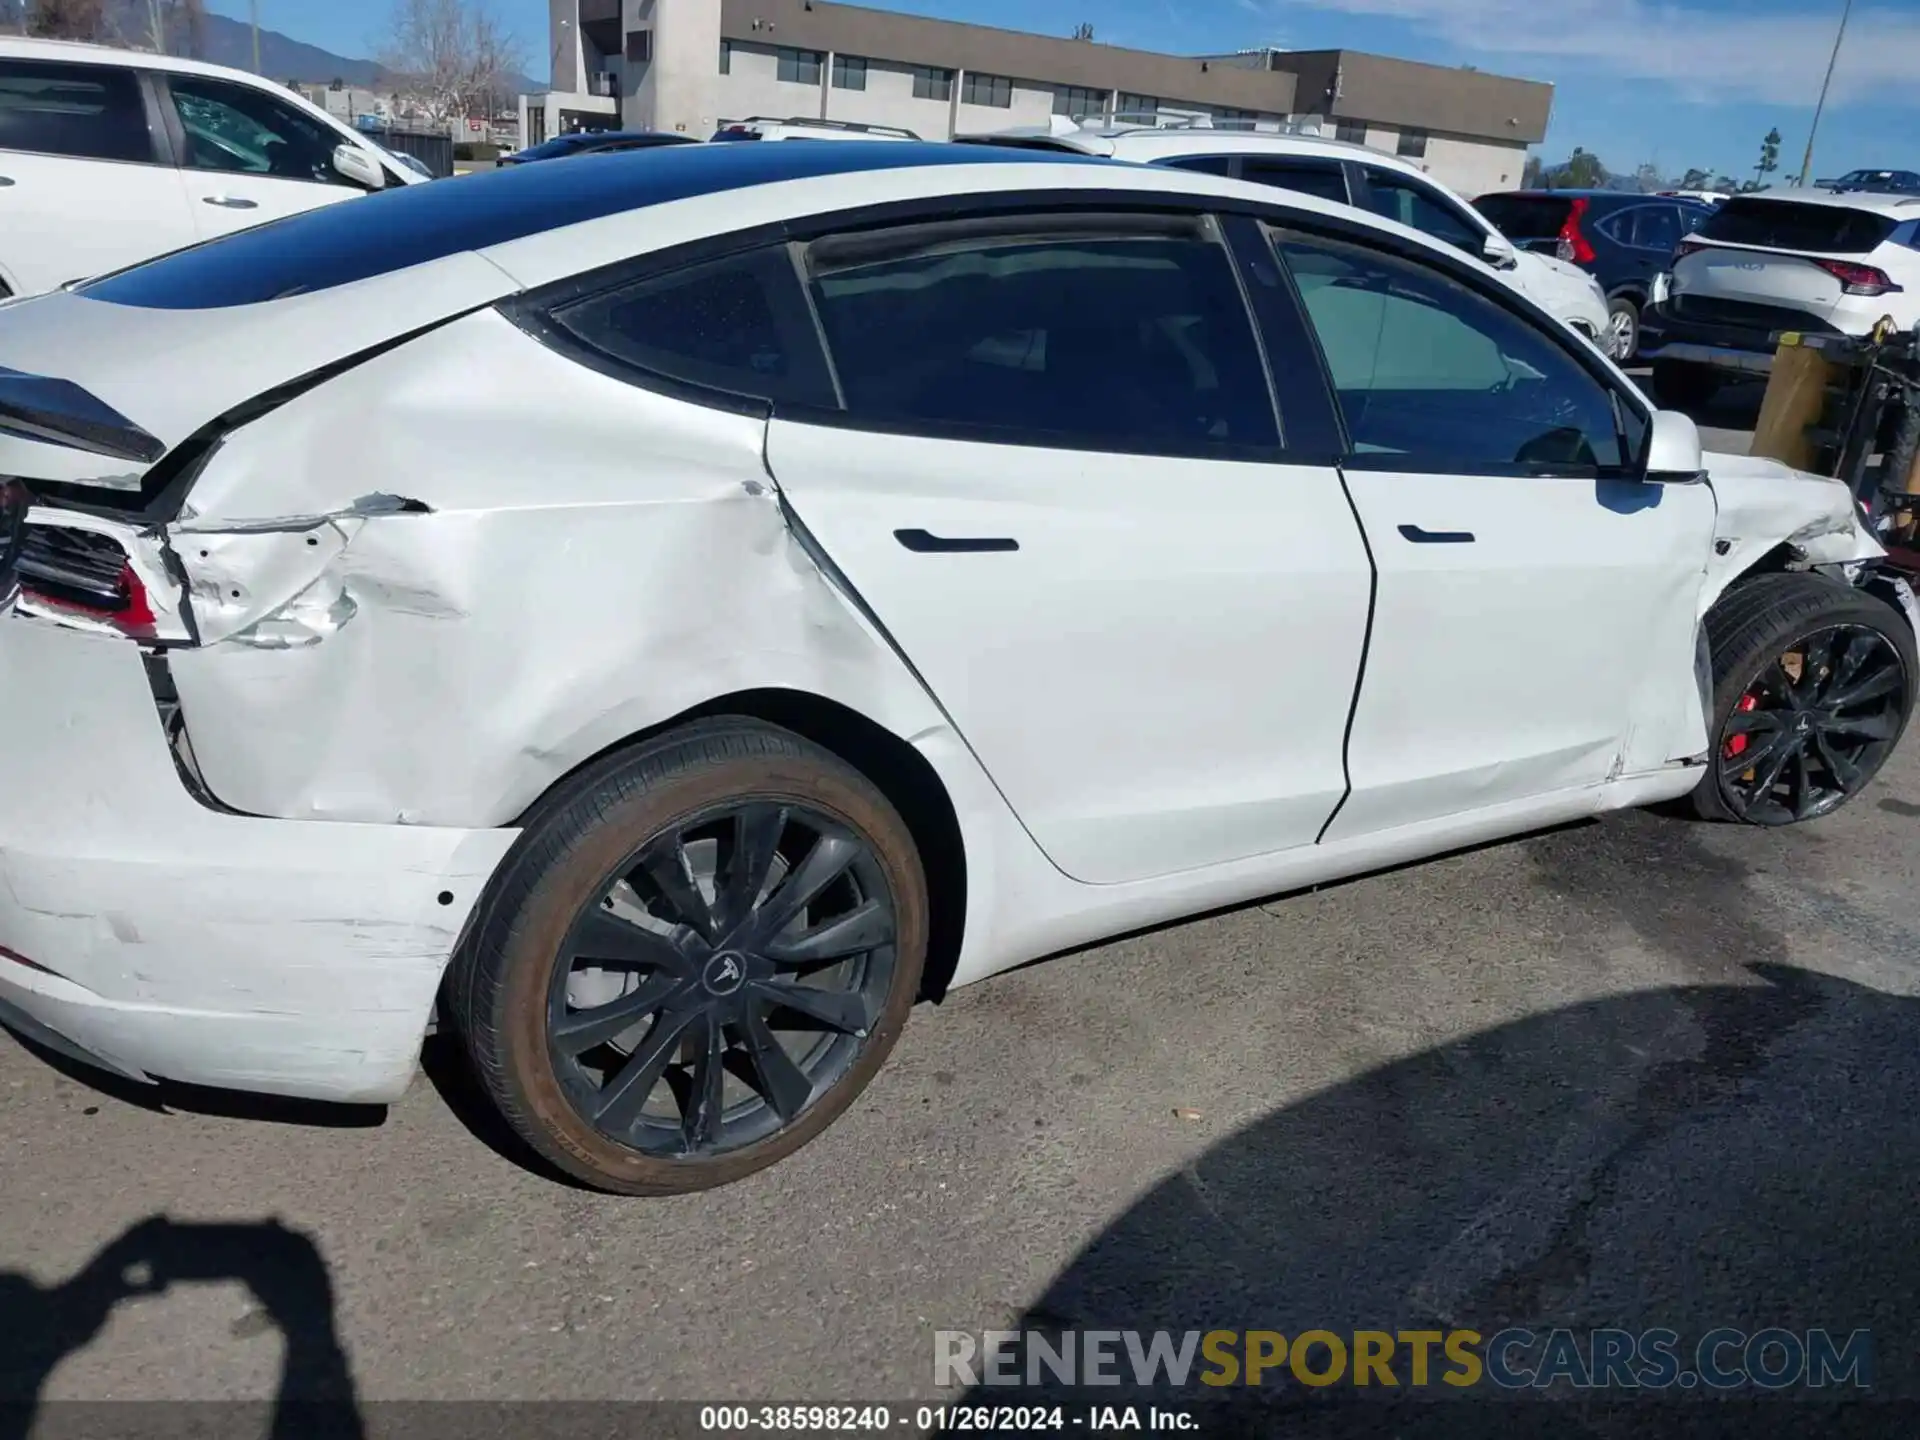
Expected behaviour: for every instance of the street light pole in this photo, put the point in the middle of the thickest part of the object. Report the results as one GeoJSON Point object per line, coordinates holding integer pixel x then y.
{"type": "Point", "coordinates": [1806, 165]}
{"type": "Point", "coordinates": [253, 14]}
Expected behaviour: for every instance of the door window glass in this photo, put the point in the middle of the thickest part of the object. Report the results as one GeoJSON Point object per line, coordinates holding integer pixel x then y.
{"type": "Point", "coordinates": [1047, 334]}
{"type": "Point", "coordinates": [1422, 208]}
{"type": "Point", "coordinates": [1329, 182]}
{"type": "Point", "coordinates": [89, 112]}
{"type": "Point", "coordinates": [238, 129]}
{"type": "Point", "coordinates": [1432, 375]}
{"type": "Point", "coordinates": [1657, 227]}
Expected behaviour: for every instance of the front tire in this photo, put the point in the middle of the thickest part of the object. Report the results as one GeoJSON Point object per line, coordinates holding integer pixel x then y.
{"type": "Point", "coordinates": [1813, 682]}
{"type": "Point", "coordinates": [696, 958]}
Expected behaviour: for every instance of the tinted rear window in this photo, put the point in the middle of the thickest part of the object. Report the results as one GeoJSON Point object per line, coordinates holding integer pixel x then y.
{"type": "Point", "coordinates": [1524, 217]}
{"type": "Point", "coordinates": [1791, 225]}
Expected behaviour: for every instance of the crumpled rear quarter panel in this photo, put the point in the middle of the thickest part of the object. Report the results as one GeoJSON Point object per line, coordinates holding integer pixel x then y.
{"type": "Point", "coordinates": [597, 559]}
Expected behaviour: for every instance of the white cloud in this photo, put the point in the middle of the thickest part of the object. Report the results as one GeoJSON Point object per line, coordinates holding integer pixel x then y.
{"type": "Point", "coordinates": [1734, 53]}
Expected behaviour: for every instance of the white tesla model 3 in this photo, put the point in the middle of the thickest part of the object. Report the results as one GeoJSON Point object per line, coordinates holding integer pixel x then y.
{"type": "Point", "coordinates": [676, 609]}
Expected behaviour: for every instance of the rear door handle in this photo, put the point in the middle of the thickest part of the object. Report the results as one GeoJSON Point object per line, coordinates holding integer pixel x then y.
{"type": "Point", "coordinates": [1436, 537]}
{"type": "Point", "coordinates": [5, 181]}
{"type": "Point", "coordinates": [922, 542]}
{"type": "Point", "coordinates": [228, 202]}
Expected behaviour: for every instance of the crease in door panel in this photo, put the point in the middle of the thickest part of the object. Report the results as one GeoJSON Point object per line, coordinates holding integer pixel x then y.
{"type": "Point", "coordinates": [837, 578]}
{"type": "Point", "coordinates": [1366, 647]}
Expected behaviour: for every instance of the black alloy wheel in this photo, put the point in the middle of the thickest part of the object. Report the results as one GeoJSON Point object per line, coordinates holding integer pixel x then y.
{"type": "Point", "coordinates": [695, 958]}
{"type": "Point", "coordinates": [729, 971]}
{"type": "Point", "coordinates": [1813, 682]}
{"type": "Point", "coordinates": [1814, 726]}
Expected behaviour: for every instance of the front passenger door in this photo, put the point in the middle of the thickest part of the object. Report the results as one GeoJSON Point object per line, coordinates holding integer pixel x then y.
{"type": "Point", "coordinates": [249, 157]}
{"type": "Point", "coordinates": [1534, 622]}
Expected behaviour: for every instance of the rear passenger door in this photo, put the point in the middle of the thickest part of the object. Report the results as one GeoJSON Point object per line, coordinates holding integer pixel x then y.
{"type": "Point", "coordinates": [1059, 482]}
{"type": "Point", "coordinates": [84, 187]}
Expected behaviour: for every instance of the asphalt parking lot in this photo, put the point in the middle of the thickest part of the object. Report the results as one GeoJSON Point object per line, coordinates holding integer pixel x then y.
{"type": "Point", "coordinates": [1639, 1072]}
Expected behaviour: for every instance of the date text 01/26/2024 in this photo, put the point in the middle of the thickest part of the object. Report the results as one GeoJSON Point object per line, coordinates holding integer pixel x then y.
{"type": "Point", "coordinates": [937, 1419]}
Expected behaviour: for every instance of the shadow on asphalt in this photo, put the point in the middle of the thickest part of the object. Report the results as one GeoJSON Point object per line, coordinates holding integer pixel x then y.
{"type": "Point", "coordinates": [41, 1325]}
{"type": "Point", "coordinates": [1737, 1153]}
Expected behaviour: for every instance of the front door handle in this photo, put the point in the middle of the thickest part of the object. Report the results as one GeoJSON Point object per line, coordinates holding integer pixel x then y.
{"type": "Point", "coordinates": [922, 542]}
{"type": "Point", "coordinates": [1436, 537]}
{"type": "Point", "coordinates": [5, 181]}
{"type": "Point", "coordinates": [228, 202]}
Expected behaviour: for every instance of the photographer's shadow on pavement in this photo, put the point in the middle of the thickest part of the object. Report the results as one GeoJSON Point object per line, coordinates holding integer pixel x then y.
{"type": "Point", "coordinates": [40, 1325]}
{"type": "Point", "coordinates": [1741, 1154]}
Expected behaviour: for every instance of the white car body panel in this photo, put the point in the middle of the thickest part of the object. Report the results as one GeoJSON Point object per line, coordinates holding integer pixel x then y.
{"type": "Point", "coordinates": [1600, 600]}
{"type": "Point", "coordinates": [539, 561]}
{"type": "Point", "coordinates": [1170, 607]}
{"type": "Point", "coordinates": [62, 218]}
{"type": "Point", "coordinates": [224, 202]}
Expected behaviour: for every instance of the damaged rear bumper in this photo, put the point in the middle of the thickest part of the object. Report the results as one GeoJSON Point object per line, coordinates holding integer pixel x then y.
{"type": "Point", "coordinates": [162, 938]}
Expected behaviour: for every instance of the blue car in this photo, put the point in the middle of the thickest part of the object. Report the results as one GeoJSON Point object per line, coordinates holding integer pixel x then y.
{"type": "Point", "coordinates": [1622, 239]}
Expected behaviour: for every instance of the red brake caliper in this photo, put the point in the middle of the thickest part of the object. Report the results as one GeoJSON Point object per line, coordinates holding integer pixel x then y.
{"type": "Point", "coordinates": [1737, 744]}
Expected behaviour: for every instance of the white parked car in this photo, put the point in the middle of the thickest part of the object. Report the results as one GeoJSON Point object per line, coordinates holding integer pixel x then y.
{"type": "Point", "coordinates": [1808, 261]}
{"type": "Point", "coordinates": [110, 157]}
{"type": "Point", "coordinates": [1349, 174]}
{"type": "Point", "coordinates": [680, 608]}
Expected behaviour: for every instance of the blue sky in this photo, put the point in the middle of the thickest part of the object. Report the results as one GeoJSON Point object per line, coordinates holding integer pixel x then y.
{"type": "Point", "coordinates": [1675, 82]}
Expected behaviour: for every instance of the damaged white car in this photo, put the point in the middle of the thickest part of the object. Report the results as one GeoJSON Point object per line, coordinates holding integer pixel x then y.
{"type": "Point", "coordinates": [677, 609]}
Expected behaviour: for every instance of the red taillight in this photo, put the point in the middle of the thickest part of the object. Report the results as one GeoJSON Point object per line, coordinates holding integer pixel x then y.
{"type": "Point", "coordinates": [1859, 279]}
{"type": "Point", "coordinates": [1573, 244]}
{"type": "Point", "coordinates": [86, 575]}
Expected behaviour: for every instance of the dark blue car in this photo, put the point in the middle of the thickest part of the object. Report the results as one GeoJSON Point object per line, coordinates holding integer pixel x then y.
{"type": "Point", "coordinates": [1622, 239]}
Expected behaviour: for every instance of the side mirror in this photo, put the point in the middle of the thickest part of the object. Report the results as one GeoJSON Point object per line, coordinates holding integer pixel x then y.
{"type": "Point", "coordinates": [359, 167]}
{"type": "Point", "coordinates": [1673, 451]}
{"type": "Point", "coordinates": [1498, 252]}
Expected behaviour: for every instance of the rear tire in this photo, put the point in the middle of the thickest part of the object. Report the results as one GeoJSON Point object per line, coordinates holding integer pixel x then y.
{"type": "Point", "coordinates": [1622, 339]}
{"type": "Point", "coordinates": [1813, 683]}
{"type": "Point", "coordinates": [670, 1060]}
{"type": "Point", "coordinates": [1683, 385]}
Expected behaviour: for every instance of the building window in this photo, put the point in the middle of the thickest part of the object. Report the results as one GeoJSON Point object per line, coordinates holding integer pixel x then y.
{"type": "Point", "coordinates": [932, 83]}
{"type": "Point", "coordinates": [1138, 109]}
{"type": "Point", "coordinates": [994, 90]}
{"type": "Point", "coordinates": [799, 67]}
{"type": "Point", "coordinates": [726, 57]}
{"type": "Point", "coordinates": [1412, 144]}
{"type": "Point", "coordinates": [1227, 118]}
{"type": "Point", "coordinates": [1077, 102]}
{"type": "Point", "coordinates": [1354, 132]}
{"type": "Point", "coordinates": [639, 46]}
{"type": "Point", "coordinates": [849, 72]}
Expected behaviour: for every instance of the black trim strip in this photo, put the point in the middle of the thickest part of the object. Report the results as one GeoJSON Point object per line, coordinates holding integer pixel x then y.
{"type": "Point", "coordinates": [1366, 651]}
{"type": "Point", "coordinates": [1436, 537]}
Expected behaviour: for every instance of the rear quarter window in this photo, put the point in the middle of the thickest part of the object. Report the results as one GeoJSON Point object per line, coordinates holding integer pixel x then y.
{"type": "Point", "coordinates": [1792, 225]}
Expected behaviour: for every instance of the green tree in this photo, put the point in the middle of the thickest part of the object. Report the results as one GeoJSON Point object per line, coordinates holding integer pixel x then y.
{"type": "Point", "coordinates": [1695, 179]}
{"type": "Point", "coordinates": [1769, 160]}
{"type": "Point", "coordinates": [1583, 171]}
{"type": "Point", "coordinates": [1533, 173]}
